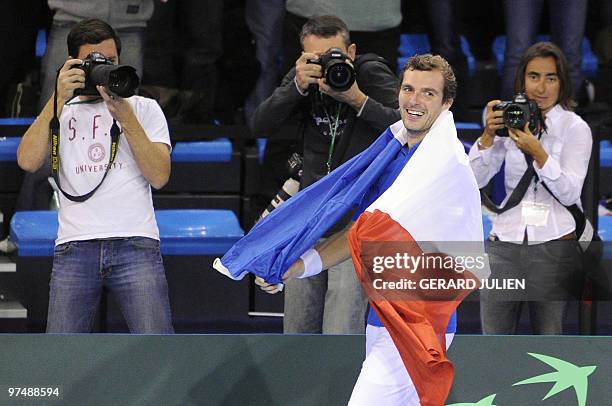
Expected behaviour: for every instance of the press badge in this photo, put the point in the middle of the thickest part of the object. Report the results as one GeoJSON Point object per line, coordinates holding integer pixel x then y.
{"type": "Point", "coordinates": [535, 214]}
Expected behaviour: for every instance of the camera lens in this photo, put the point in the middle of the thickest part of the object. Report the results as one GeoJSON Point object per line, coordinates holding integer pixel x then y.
{"type": "Point", "coordinates": [514, 117]}
{"type": "Point", "coordinates": [123, 81]}
{"type": "Point", "coordinates": [340, 75]}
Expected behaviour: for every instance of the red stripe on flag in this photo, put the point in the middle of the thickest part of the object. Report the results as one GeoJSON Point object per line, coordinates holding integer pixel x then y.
{"type": "Point", "coordinates": [417, 327]}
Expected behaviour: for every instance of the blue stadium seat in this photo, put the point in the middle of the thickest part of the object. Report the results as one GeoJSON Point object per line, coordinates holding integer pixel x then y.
{"type": "Point", "coordinates": [11, 178]}
{"type": "Point", "coordinates": [499, 48]}
{"type": "Point", "coordinates": [197, 232]}
{"type": "Point", "coordinates": [468, 126]}
{"type": "Point", "coordinates": [261, 148]}
{"type": "Point", "coordinates": [605, 228]}
{"type": "Point", "coordinates": [205, 167]}
{"type": "Point", "coordinates": [203, 151]}
{"type": "Point", "coordinates": [471, 60]}
{"type": "Point", "coordinates": [589, 60]}
{"type": "Point", "coordinates": [190, 240]}
{"type": "Point", "coordinates": [8, 148]}
{"type": "Point", "coordinates": [17, 121]}
{"type": "Point", "coordinates": [486, 226]}
{"type": "Point", "coordinates": [467, 145]}
{"type": "Point", "coordinates": [41, 43]}
{"type": "Point", "coordinates": [411, 44]}
{"type": "Point", "coordinates": [182, 232]}
{"type": "Point", "coordinates": [605, 232]}
{"type": "Point", "coordinates": [605, 154]}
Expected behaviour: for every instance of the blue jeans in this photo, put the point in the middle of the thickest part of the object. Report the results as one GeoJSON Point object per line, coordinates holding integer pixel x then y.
{"type": "Point", "coordinates": [567, 20]}
{"type": "Point", "coordinates": [132, 270]}
{"type": "Point", "coordinates": [331, 302]}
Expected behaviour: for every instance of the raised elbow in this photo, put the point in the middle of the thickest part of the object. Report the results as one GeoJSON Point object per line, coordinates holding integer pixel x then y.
{"type": "Point", "coordinates": [26, 163]}
{"type": "Point", "coordinates": [160, 181]}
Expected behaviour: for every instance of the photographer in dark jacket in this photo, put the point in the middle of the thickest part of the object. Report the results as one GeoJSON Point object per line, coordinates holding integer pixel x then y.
{"type": "Point", "coordinates": [335, 125]}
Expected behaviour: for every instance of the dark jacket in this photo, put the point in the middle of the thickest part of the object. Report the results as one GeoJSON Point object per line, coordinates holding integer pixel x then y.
{"type": "Point", "coordinates": [286, 106]}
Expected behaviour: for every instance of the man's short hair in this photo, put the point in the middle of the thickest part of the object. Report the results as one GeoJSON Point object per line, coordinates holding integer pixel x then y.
{"type": "Point", "coordinates": [325, 27]}
{"type": "Point", "coordinates": [90, 31]}
{"type": "Point", "coordinates": [429, 62]}
{"type": "Point", "coordinates": [545, 50]}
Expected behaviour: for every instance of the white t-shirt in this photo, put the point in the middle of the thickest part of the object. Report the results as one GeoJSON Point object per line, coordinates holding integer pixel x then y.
{"type": "Point", "coordinates": [122, 206]}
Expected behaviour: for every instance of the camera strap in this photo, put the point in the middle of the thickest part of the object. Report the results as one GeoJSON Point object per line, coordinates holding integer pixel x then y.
{"type": "Point", "coordinates": [333, 132]}
{"type": "Point", "coordinates": [578, 215]}
{"type": "Point", "coordinates": [521, 188]}
{"type": "Point", "coordinates": [515, 197]}
{"type": "Point", "coordinates": [54, 130]}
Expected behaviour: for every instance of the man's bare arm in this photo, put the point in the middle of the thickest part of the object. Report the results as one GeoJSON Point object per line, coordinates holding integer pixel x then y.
{"type": "Point", "coordinates": [34, 146]}
{"type": "Point", "coordinates": [333, 251]}
{"type": "Point", "coordinates": [152, 158]}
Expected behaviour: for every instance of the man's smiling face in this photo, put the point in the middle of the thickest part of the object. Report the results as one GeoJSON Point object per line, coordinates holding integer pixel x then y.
{"type": "Point", "coordinates": [420, 100]}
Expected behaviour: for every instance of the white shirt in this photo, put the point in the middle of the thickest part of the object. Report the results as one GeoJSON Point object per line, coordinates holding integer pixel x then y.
{"type": "Point", "coordinates": [568, 143]}
{"type": "Point", "coordinates": [122, 206]}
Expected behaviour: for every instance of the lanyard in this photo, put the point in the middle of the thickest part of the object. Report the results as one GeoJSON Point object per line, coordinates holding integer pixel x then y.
{"type": "Point", "coordinates": [54, 127]}
{"type": "Point", "coordinates": [333, 132]}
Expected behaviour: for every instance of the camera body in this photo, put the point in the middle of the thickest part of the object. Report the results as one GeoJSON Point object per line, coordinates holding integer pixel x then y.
{"type": "Point", "coordinates": [339, 74]}
{"type": "Point", "coordinates": [517, 113]}
{"type": "Point", "coordinates": [120, 80]}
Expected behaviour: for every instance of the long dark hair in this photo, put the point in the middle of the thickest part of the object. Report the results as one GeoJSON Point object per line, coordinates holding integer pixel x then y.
{"type": "Point", "coordinates": [545, 50]}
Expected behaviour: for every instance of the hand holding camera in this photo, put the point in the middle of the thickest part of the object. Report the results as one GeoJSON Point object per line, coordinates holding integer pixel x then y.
{"type": "Point", "coordinates": [354, 97]}
{"type": "Point", "coordinates": [527, 142]}
{"type": "Point", "coordinates": [494, 120]}
{"type": "Point", "coordinates": [501, 116]}
{"type": "Point", "coordinates": [118, 108]}
{"type": "Point", "coordinates": [307, 74]}
{"type": "Point", "coordinates": [337, 69]}
{"type": "Point", "coordinates": [69, 80]}
{"type": "Point", "coordinates": [119, 80]}
{"type": "Point", "coordinates": [518, 113]}
{"type": "Point", "coordinates": [518, 119]}
{"type": "Point", "coordinates": [333, 74]}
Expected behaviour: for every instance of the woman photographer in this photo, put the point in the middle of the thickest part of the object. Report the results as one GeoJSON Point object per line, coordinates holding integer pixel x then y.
{"type": "Point", "coordinates": [535, 240]}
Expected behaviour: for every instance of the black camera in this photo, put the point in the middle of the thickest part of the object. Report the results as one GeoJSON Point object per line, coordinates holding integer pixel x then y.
{"type": "Point", "coordinates": [338, 73]}
{"type": "Point", "coordinates": [517, 113]}
{"type": "Point", "coordinates": [120, 80]}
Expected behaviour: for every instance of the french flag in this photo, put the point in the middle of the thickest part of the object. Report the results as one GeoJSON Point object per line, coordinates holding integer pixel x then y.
{"type": "Point", "coordinates": [432, 208]}
{"type": "Point", "coordinates": [434, 199]}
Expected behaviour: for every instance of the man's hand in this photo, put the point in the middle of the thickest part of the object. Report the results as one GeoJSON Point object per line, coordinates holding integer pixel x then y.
{"type": "Point", "coordinates": [118, 107]}
{"type": "Point", "coordinates": [70, 79]}
{"type": "Point", "coordinates": [354, 97]}
{"type": "Point", "coordinates": [295, 271]}
{"type": "Point", "coordinates": [494, 120]}
{"type": "Point", "coordinates": [307, 73]}
{"type": "Point", "coordinates": [34, 146]}
{"type": "Point", "coordinates": [528, 143]}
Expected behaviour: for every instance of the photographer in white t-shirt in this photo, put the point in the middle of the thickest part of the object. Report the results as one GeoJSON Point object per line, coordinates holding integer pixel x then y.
{"type": "Point", "coordinates": [111, 239]}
